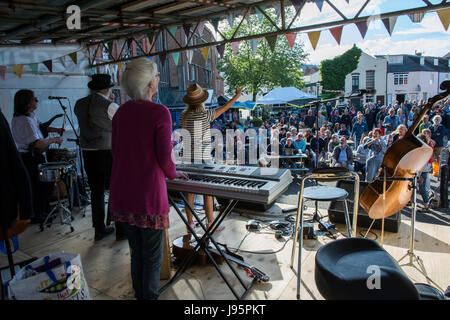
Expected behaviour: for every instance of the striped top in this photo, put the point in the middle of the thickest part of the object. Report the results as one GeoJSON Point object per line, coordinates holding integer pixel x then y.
{"type": "Point", "coordinates": [199, 126]}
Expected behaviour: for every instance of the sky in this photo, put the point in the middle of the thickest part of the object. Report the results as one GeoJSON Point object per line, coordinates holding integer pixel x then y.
{"type": "Point", "coordinates": [428, 37]}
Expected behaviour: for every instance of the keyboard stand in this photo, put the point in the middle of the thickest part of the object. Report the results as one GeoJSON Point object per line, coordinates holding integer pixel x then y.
{"type": "Point", "coordinates": [202, 244]}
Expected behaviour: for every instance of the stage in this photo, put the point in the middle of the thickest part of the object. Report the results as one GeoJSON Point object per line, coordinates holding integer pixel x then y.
{"type": "Point", "coordinates": [107, 263]}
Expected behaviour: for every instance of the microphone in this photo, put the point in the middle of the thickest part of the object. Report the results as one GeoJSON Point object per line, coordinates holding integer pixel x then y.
{"type": "Point", "coordinates": [56, 98]}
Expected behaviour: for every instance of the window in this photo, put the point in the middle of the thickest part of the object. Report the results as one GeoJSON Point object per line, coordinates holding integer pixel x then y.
{"type": "Point", "coordinates": [355, 82]}
{"type": "Point", "coordinates": [395, 59]}
{"type": "Point", "coordinates": [370, 79]}
{"type": "Point", "coordinates": [400, 79]}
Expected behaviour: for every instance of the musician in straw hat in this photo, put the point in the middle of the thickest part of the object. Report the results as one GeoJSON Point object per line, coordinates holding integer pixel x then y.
{"type": "Point", "coordinates": [195, 118]}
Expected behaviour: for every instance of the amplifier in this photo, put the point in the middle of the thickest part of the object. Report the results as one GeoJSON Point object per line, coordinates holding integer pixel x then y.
{"type": "Point", "coordinates": [336, 210]}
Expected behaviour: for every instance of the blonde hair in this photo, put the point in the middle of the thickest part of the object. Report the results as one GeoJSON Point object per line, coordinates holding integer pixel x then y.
{"type": "Point", "coordinates": [136, 77]}
{"type": "Point", "coordinates": [191, 108]}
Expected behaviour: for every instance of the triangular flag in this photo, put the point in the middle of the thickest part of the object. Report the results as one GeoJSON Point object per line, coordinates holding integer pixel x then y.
{"type": "Point", "coordinates": [337, 33]}
{"type": "Point", "coordinates": [74, 57]}
{"type": "Point", "coordinates": [259, 13]}
{"type": "Point", "coordinates": [201, 27]}
{"type": "Point", "coordinates": [2, 72]}
{"type": "Point", "coordinates": [63, 61]}
{"type": "Point", "coordinates": [271, 41]}
{"type": "Point", "coordinates": [235, 46]}
{"type": "Point", "coordinates": [362, 27]}
{"type": "Point", "coordinates": [277, 7]}
{"type": "Point", "coordinates": [34, 67]}
{"type": "Point", "coordinates": [215, 22]}
{"type": "Point", "coordinates": [444, 15]}
{"type": "Point", "coordinates": [297, 4]}
{"type": "Point", "coordinates": [291, 39]}
{"type": "Point", "coordinates": [162, 59]}
{"type": "Point", "coordinates": [254, 45]}
{"type": "Point", "coordinates": [115, 50]}
{"type": "Point", "coordinates": [389, 23]}
{"type": "Point", "coordinates": [314, 38]}
{"type": "Point", "coordinates": [319, 4]}
{"type": "Point", "coordinates": [49, 65]}
{"type": "Point", "coordinates": [119, 67]}
{"type": "Point", "coordinates": [220, 49]}
{"type": "Point", "coordinates": [205, 52]}
{"type": "Point", "coordinates": [189, 55]}
{"type": "Point", "coordinates": [150, 36]}
{"type": "Point", "coordinates": [145, 45]}
{"type": "Point", "coordinates": [187, 29]}
{"type": "Point", "coordinates": [173, 30]}
{"type": "Point", "coordinates": [231, 20]}
{"type": "Point", "coordinates": [176, 57]}
{"type": "Point", "coordinates": [133, 49]}
{"type": "Point", "coordinates": [18, 70]}
{"type": "Point", "coordinates": [416, 17]}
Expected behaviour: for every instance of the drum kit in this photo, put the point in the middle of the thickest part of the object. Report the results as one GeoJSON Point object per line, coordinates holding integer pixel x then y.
{"type": "Point", "coordinates": [54, 172]}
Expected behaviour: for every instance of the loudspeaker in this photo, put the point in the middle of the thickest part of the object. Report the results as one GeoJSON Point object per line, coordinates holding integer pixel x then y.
{"type": "Point", "coordinates": [336, 210]}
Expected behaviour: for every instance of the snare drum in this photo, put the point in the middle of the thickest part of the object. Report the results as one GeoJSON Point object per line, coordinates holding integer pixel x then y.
{"type": "Point", "coordinates": [52, 171]}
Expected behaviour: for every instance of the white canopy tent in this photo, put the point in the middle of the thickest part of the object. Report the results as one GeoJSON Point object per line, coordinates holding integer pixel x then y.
{"type": "Point", "coordinates": [284, 95]}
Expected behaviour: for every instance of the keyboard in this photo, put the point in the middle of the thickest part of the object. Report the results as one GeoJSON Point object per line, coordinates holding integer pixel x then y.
{"type": "Point", "coordinates": [250, 184]}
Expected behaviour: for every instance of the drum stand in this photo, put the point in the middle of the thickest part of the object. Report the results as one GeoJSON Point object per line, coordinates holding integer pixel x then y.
{"type": "Point", "coordinates": [61, 209]}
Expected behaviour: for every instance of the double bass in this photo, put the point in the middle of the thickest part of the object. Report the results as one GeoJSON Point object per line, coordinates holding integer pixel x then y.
{"type": "Point", "coordinates": [403, 159]}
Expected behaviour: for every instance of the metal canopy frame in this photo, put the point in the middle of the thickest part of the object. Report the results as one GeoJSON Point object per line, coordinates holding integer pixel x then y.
{"type": "Point", "coordinates": [104, 21]}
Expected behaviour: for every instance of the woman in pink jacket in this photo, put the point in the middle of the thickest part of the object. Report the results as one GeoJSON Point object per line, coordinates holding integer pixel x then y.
{"type": "Point", "coordinates": [142, 159]}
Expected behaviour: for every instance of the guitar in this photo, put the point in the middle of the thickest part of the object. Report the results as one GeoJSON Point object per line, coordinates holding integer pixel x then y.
{"type": "Point", "coordinates": [183, 246]}
{"type": "Point", "coordinates": [403, 159]}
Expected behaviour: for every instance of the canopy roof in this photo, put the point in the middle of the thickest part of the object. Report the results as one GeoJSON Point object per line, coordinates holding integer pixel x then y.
{"type": "Point", "coordinates": [25, 22]}
{"type": "Point", "coordinates": [284, 95]}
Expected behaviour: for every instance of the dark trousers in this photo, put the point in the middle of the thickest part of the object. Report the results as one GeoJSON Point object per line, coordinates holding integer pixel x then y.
{"type": "Point", "coordinates": [98, 166]}
{"type": "Point", "coordinates": [147, 247]}
{"type": "Point", "coordinates": [41, 191]}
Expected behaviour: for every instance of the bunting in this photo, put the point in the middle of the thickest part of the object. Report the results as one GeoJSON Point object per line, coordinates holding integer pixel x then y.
{"type": "Point", "coordinates": [259, 13]}
{"type": "Point", "coordinates": [162, 59]}
{"type": "Point", "coordinates": [205, 52]}
{"type": "Point", "coordinates": [254, 45]}
{"type": "Point", "coordinates": [173, 30]}
{"type": "Point", "coordinates": [291, 39]}
{"type": "Point", "coordinates": [49, 65]}
{"type": "Point", "coordinates": [314, 38]}
{"type": "Point", "coordinates": [18, 70]}
{"type": "Point", "coordinates": [319, 4]}
{"type": "Point", "coordinates": [271, 41]}
{"type": "Point", "coordinates": [444, 16]}
{"type": "Point", "coordinates": [297, 4]}
{"type": "Point", "coordinates": [187, 29]}
{"type": "Point", "coordinates": [146, 45]}
{"type": "Point", "coordinates": [416, 17]}
{"type": "Point", "coordinates": [389, 23]}
{"type": "Point", "coordinates": [220, 49]}
{"type": "Point", "coordinates": [362, 27]}
{"type": "Point", "coordinates": [74, 57]}
{"type": "Point", "coordinates": [201, 27]}
{"type": "Point", "coordinates": [115, 50]}
{"type": "Point", "coordinates": [337, 33]}
{"type": "Point", "coordinates": [235, 46]}
{"type": "Point", "coordinates": [230, 19]}
{"type": "Point", "coordinates": [2, 72]}
{"type": "Point", "coordinates": [176, 57]}
{"type": "Point", "coordinates": [150, 36]}
{"type": "Point", "coordinates": [215, 22]}
{"type": "Point", "coordinates": [34, 67]}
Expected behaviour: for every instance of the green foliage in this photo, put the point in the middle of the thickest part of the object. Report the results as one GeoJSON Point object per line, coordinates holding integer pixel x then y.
{"type": "Point", "coordinates": [333, 71]}
{"type": "Point", "coordinates": [264, 70]}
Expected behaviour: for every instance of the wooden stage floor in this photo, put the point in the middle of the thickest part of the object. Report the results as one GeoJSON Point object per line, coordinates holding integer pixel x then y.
{"type": "Point", "coordinates": [107, 263]}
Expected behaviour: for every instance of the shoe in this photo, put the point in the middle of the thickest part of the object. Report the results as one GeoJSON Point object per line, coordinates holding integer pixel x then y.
{"type": "Point", "coordinates": [100, 235]}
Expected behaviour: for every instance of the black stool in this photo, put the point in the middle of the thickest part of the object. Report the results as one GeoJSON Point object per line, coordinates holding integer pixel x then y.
{"type": "Point", "coordinates": [322, 193]}
{"type": "Point", "coordinates": [359, 268]}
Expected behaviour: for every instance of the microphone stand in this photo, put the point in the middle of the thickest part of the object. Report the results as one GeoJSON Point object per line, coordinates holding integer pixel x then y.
{"type": "Point", "coordinates": [80, 154]}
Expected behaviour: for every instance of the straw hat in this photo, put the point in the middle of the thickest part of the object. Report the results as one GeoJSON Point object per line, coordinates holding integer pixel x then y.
{"type": "Point", "coordinates": [195, 94]}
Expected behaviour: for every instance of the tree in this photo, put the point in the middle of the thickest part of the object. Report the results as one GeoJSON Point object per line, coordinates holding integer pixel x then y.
{"type": "Point", "coordinates": [333, 71]}
{"type": "Point", "coordinates": [265, 69]}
